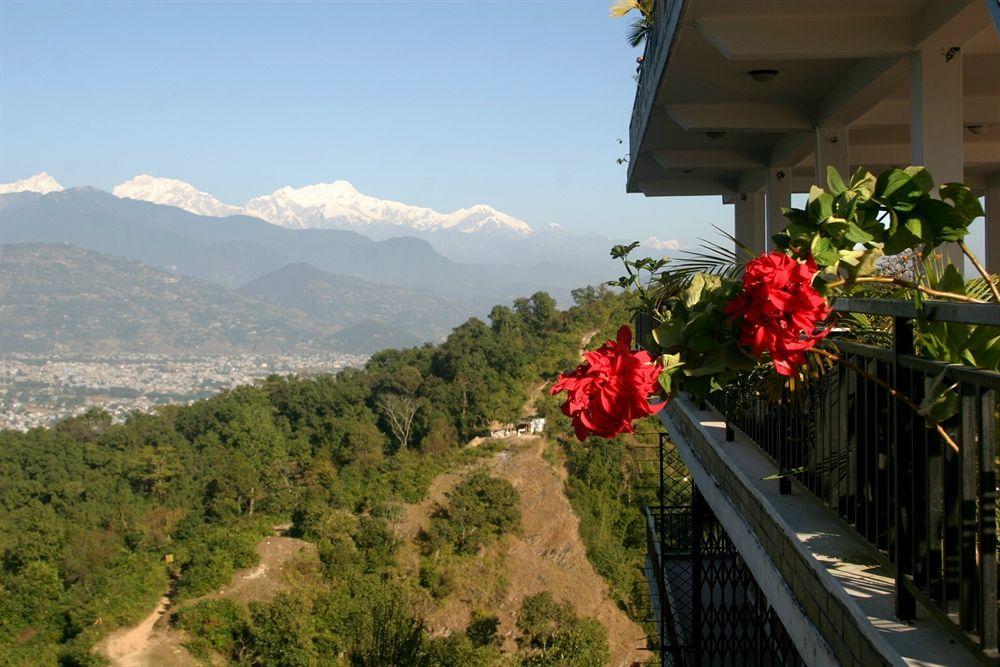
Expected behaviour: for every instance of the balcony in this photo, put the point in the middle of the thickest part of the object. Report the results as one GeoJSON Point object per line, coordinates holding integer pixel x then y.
{"type": "Point", "coordinates": [865, 539]}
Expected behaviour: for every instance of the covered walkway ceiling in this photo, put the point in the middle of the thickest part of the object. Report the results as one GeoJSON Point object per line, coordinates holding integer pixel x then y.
{"type": "Point", "coordinates": [846, 72]}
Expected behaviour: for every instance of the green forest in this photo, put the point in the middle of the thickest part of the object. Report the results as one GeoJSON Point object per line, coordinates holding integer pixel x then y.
{"type": "Point", "coordinates": [98, 520]}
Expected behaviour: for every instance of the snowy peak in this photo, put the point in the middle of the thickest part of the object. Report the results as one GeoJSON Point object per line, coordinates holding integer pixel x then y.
{"type": "Point", "coordinates": [172, 192]}
{"type": "Point", "coordinates": [40, 182]}
{"type": "Point", "coordinates": [485, 218]}
{"type": "Point", "coordinates": [336, 205]}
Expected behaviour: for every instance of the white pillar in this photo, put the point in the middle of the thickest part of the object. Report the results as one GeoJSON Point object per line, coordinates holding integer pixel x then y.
{"type": "Point", "coordinates": [779, 195]}
{"type": "Point", "coordinates": [749, 219]}
{"type": "Point", "coordinates": [992, 225]}
{"type": "Point", "coordinates": [831, 150]}
{"type": "Point", "coordinates": [936, 119]}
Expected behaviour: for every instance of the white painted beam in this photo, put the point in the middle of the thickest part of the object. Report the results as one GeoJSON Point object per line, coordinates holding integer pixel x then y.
{"type": "Point", "coordinates": [740, 116]}
{"type": "Point", "coordinates": [975, 109]}
{"type": "Point", "coordinates": [882, 155]}
{"type": "Point", "coordinates": [667, 187]}
{"type": "Point", "coordinates": [679, 158]}
{"type": "Point", "coordinates": [755, 37]}
{"type": "Point", "coordinates": [779, 194]}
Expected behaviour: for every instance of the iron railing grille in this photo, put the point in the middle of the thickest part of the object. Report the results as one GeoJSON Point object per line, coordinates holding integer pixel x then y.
{"type": "Point", "coordinates": [928, 510]}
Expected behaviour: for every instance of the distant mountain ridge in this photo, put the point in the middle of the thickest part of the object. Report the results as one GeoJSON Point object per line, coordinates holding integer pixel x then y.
{"type": "Point", "coordinates": [349, 302]}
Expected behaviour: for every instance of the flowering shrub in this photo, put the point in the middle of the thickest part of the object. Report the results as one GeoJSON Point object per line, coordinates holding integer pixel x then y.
{"type": "Point", "coordinates": [611, 389]}
{"type": "Point", "coordinates": [716, 315]}
{"type": "Point", "coordinates": [779, 311]}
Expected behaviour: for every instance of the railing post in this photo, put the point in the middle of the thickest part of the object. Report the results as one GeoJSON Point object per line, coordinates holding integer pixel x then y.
{"type": "Point", "coordinates": [661, 564]}
{"type": "Point", "coordinates": [901, 450]}
{"type": "Point", "coordinates": [987, 541]}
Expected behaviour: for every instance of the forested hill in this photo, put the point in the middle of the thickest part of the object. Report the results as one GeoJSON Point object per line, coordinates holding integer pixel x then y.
{"type": "Point", "coordinates": [98, 520]}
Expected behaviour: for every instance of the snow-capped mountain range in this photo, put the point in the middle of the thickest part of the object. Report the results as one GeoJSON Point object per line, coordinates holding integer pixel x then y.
{"type": "Point", "coordinates": [336, 205]}
{"type": "Point", "coordinates": [478, 233]}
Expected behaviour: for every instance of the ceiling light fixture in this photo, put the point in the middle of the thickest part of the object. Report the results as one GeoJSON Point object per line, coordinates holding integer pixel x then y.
{"type": "Point", "coordinates": [763, 75]}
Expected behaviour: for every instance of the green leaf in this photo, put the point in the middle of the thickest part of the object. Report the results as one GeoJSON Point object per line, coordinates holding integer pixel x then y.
{"type": "Point", "coordinates": [965, 202]}
{"type": "Point", "coordinates": [821, 207]}
{"type": "Point", "coordinates": [692, 295]}
{"type": "Point", "coordinates": [856, 234]}
{"type": "Point", "coordinates": [824, 252]}
{"type": "Point", "coordinates": [669, 334]}
{"type": "Point", "coordinates": [895, 185]}
{"type": "Point", "coordinates": [951, 281]}
{"type": "Point", "coordinates": [863, 184]}
{"type": "Point", "coordinates": [834, 181]}
{"type": "Point", "coordinates": [916, 227]}
{"type": "Point", "coordinates": [703, 342]}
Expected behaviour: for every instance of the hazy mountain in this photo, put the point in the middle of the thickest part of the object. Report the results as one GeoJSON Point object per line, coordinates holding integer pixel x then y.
{"type": "Point", "coordinates": [59, 298]}
{"type": "Point", "coordinates": [371, 336]}
{"type": "Point", "coordinates": [347, 301]}
{"type": "Point", "coordinates": [40, 182]}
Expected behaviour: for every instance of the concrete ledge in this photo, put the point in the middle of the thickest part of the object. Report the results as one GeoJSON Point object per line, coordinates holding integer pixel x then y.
{"type": "Point", "coordinates": [834, 598]}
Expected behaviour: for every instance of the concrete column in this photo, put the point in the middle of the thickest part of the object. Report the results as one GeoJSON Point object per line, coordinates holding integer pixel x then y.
{"type": "Point", "coordinates": [992, 224]}
{"type": "Point", "coordinates": [779, 195]}
{"type": "Point", "coordinates": [749, 227]}
{"type": "Point", "coordinates": [831, 150]}
{"type": "Point", "coordinates": [936, 127]}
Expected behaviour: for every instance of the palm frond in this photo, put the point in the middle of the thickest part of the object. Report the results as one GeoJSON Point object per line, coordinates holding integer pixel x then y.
{"type": "Point", "coordinates": [978, 287]}
{"type": "Point", "coordinates": [620, 8]}
{"type": "Point", "coordinates": [714, 258]}
{"type": "Point", "coordinates": [638, 32]}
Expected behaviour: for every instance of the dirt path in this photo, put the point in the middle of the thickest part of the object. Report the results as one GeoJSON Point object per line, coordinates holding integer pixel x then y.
{"type": "Point", "coordinates": [548, 556]}
{"type": "Point", "coordinates": [155, 643]}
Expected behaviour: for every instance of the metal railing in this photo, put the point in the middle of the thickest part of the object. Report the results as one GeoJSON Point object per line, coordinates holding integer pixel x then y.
{"type": "Point", "coordinates": [708, 609]}
{"type": "Point", "coordinates": [928, 511]}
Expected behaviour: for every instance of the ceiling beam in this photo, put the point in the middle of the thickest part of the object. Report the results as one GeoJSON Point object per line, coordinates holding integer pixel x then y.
{"type": "Point", "coordinates": [740, 116]}
{"type": "Point", "coordinates": [670, 187]}
{"type": "Point", "coordinates": [947, 23]}
{"type": "Point", "coordinates": [708, 159]}
{"type": "Point", "coordinates": [757, 37]}
{"type": "Point", "coordinates": [752, 37]}
{"type": "Point", "coordinates": [976, 153]}
{"type": "Point", "coordinates": [975, 109]}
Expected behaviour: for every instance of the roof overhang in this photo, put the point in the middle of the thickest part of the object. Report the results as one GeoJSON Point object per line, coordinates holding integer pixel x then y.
{"type": "Point", "coordinates": [702, 125]}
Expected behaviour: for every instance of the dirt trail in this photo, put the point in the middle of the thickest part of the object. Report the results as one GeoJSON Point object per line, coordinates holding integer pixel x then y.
{"type": "Point", "coordinates": [548, 556]}
{"type": "Point", "coordinates": [155, 643]}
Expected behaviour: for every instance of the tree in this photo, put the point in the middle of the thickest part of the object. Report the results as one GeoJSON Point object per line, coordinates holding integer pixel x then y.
{"type": "Point", "coordinates": [399, 411]}
{"type": "Point", "coordinates": [479, 508]}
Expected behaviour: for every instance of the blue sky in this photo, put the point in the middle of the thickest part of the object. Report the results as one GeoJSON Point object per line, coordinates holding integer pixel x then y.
{"type": "Point", "coordinates": [519, 105]}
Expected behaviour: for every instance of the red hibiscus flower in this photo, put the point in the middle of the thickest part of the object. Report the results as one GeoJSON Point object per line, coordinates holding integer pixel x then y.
{"type": "Point", "coordinates": [610, 390]}
{"type": "Point", "coordinates": [780, 312]}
